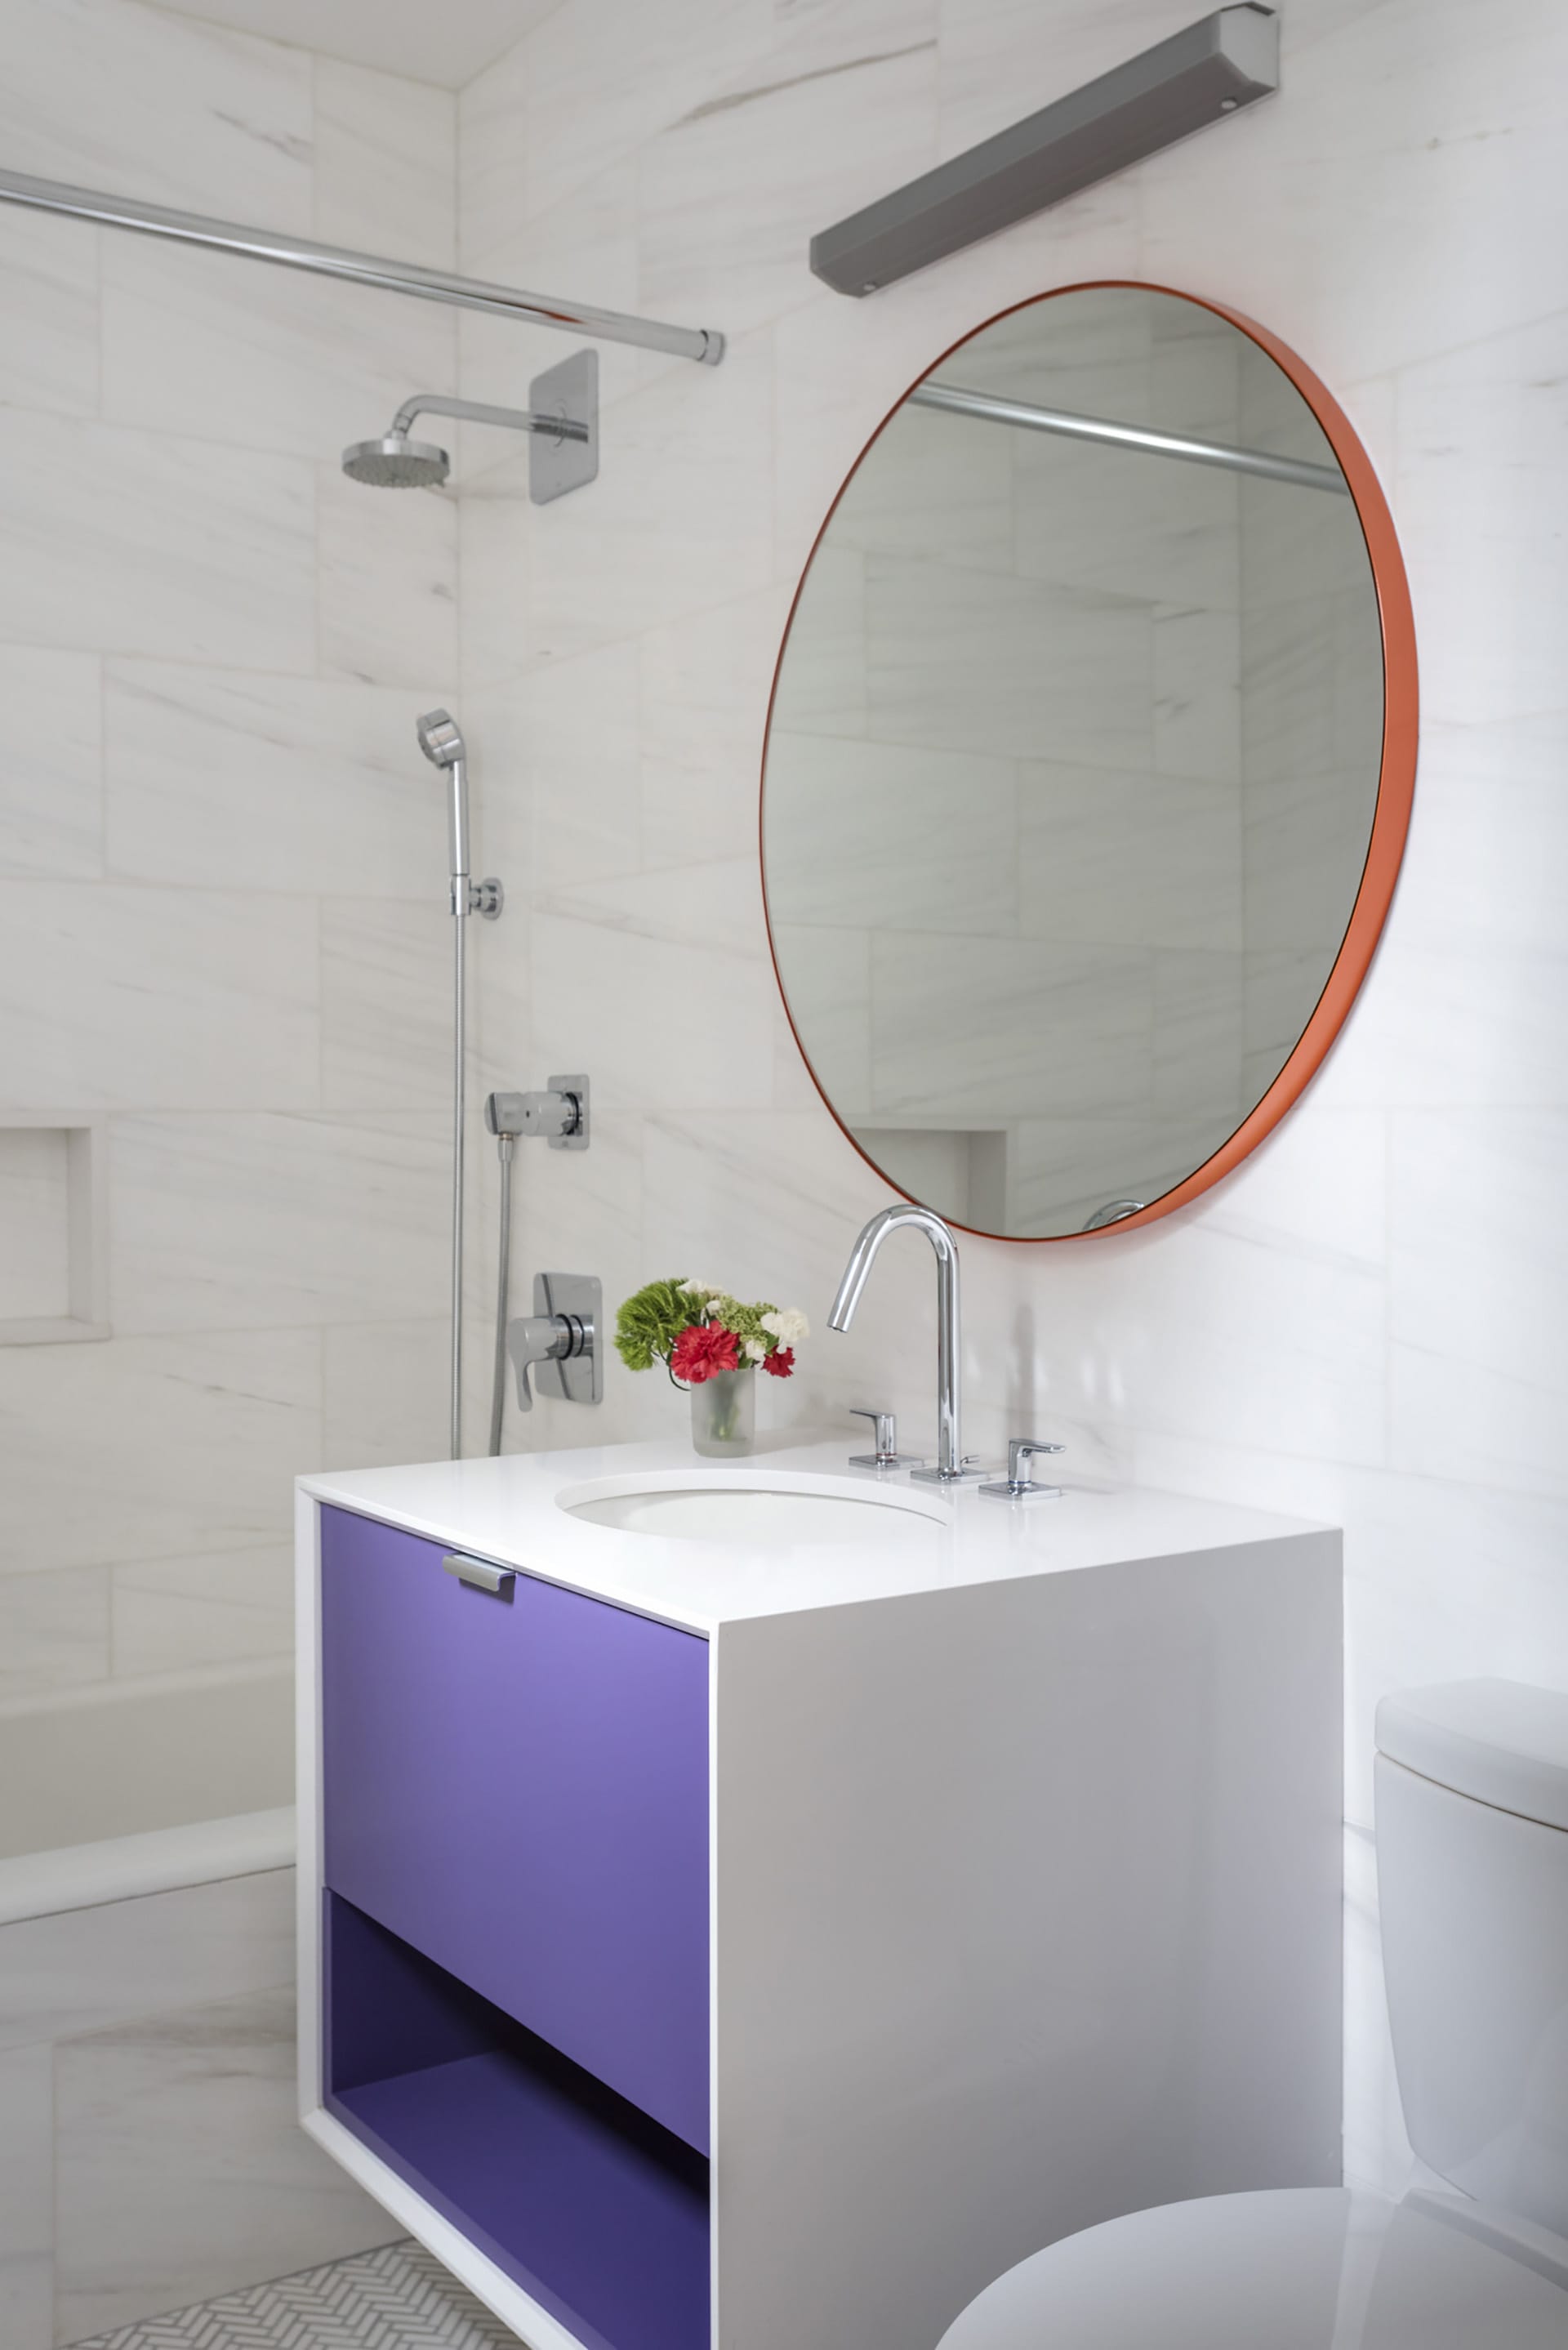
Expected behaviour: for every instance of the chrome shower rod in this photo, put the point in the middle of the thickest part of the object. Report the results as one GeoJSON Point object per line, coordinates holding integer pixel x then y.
{"type": "Point", "coordinates": [956, 401]}
{"type": "Point", "coordinates": [361, 268]}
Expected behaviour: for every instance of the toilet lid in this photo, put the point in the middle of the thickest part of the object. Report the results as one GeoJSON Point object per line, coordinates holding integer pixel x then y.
{"type": "Point", "coordinates": [1303, 2269]}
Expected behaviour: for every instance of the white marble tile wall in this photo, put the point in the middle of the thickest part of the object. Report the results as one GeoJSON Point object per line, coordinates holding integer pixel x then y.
{"type": "Point", "coordinates": [1360, 1323]}
{"type": "Point", "coordinates": [148, 2151]}
{"type": "Point", "coordinates": [221, 877]}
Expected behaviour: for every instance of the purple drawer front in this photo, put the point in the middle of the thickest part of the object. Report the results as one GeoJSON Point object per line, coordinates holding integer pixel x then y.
{"type": "Point", "coordinates": [518, 1786]}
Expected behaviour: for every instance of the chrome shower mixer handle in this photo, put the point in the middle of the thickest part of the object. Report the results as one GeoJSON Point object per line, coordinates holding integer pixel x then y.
{"type": "Point", "coordinates": [559, 1340]}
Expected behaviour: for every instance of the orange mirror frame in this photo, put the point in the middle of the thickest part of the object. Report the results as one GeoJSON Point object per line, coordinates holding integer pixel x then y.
{"type": "Point", "coordinates": [1396, 774]}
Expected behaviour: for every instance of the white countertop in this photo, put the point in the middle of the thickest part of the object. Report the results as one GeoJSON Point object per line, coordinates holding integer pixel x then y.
{"type": "Point", "coordinates": [509, 1509]}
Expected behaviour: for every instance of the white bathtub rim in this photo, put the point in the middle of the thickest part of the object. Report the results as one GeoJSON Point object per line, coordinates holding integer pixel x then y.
{"type": "Point", "coordinates": [159, 1860]}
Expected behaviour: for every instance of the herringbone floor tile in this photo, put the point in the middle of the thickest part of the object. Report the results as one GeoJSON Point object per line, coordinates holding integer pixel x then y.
{"type": "Point", "coordinates": [398, 2298]}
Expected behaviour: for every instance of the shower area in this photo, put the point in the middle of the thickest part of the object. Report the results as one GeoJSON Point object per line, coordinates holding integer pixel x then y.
{"type": "Point", "coordinates": [228, 881]}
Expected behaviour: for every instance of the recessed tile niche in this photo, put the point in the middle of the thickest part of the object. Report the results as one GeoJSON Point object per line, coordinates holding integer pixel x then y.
{"type": "Point", "coordinates": [54, 1272]}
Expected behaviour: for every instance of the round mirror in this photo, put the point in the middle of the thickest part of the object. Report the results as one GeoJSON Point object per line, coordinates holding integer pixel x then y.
{"type": "Point", "coordinates": [1089, 763]}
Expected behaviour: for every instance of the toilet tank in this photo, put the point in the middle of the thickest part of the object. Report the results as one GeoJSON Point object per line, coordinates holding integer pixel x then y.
{"type": "Point", "coordinates": [1472, 1875]}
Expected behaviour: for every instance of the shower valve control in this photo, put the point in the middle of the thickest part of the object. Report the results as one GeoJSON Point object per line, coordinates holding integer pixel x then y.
{"type": "Point", "coordinates": [559, 1339]}
{"type": "Point", "coordinates": [560, 1114]}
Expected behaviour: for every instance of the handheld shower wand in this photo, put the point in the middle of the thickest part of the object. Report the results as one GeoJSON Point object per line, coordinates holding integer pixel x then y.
{"type": "Point", "coordinates": [440, 740]}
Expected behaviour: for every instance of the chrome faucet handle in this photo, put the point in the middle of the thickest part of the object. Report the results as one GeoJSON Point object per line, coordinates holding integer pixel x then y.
{"type": "Point", "coordinates": [562, 1334]}
{"type": "Point", "coordinates": [535, 1338]}
{"type": "Point", "coordinates": [886, 1455]}
{"type": "Point", "coordinates": [1019, 1485]}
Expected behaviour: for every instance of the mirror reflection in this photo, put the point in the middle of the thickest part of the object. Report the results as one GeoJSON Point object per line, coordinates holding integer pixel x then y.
{"type": "Point", "coordinates": [1073, 762]}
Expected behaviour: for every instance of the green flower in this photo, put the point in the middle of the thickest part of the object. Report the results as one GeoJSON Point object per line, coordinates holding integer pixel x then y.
{"type": "Point", "coordinates": [649, 1323]}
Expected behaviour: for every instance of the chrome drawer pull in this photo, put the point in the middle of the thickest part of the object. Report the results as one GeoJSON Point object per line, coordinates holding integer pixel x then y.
{"type": "Point", "coordinates": [480, 1573]}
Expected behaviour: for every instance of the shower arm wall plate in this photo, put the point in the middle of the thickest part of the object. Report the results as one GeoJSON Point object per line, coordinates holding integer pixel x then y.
{"type": "Point", "coordinates": [1211, 68]}
{"type": "Point", "coordinates": [557, 463]}
{"type": "Point", "coordinates": [576, 1138]}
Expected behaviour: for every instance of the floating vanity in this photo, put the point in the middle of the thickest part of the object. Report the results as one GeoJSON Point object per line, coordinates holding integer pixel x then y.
{"type": "Point", "coordinates": [754, 1907]}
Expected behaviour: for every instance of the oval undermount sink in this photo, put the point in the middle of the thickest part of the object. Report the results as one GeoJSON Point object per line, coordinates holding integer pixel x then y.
{"type": "Point", "coordinates": [775, 1515]}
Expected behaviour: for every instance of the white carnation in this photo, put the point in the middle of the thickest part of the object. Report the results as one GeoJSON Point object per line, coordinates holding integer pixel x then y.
{"type": "Point", "coordinates": [755, 1350]}
{"type": "Point", "coordinates": [788, 1325]}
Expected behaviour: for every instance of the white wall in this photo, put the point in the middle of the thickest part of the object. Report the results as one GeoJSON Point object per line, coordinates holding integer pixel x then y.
{"type": "Point", "coordinates": [223, 920]}
{"type": "Point", "coordinates": [1364, 1324]}
{"type": "Point", "coordinates": [149, 2152]}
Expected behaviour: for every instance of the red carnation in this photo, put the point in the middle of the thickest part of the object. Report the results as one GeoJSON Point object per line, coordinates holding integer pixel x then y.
{"type": "Point", "coordinates": [703, 1349]}
{"type": "Point", "coordinates": [780, 1362]}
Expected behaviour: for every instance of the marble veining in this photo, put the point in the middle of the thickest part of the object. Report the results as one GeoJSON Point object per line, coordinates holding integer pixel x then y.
{"type": "Point", "coordinates": [149, 2154]}
{"type": "Point", "coordinates": [153, 2205]}
{"type": "Point", "coordinates": [221, 879]}
{"type": "Point", "coordinates": [121, 541]}
{"type": "Point", "coordinates": [109, 93]}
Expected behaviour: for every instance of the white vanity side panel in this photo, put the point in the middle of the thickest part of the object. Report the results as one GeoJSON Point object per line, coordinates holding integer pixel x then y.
{"type": "Point", "coordinates": [1027, 1914]}
{"type": "Point", "coordinates": [308, 1786]}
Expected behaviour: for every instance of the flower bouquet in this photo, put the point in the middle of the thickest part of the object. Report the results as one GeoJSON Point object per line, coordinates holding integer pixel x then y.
{"type": "Point", "coordinates": [711, 1344]}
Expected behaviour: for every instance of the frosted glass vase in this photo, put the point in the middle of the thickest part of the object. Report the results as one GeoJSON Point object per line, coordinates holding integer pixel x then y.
{"type": "Point", "coordinates": [724, 1415]}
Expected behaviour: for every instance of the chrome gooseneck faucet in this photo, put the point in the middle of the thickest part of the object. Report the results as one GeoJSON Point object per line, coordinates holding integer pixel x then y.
{"type": "Point", "coordinates": [950, 1468]}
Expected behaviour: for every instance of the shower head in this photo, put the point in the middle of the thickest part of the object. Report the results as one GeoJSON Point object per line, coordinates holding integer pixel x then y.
{"type": "Point", "coordinates": [440, 738]}
{"type": "Point", "coordinates": [396, 462]}
{"type": "Point", "coordinates": [562, 426]}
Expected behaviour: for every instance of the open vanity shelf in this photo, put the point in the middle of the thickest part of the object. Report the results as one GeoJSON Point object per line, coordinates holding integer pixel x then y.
{"type": "Point", "coordinates": [714, 1950]}
{"type": "Point", "coordinates": [591, 2207]}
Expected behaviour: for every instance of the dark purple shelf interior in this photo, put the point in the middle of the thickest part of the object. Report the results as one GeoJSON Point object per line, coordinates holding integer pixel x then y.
{"type": "Point", "coordinates": [589, 2205]}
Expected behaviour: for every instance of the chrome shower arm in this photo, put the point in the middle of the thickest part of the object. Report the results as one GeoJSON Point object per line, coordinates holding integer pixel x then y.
{"type": "Point", "coordinates": [479, 411]}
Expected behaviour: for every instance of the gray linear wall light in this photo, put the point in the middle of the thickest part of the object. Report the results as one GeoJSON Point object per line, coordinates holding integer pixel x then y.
{"type": "Point", "coordinates": [562, 420]}
{"type": "Point", "coordinates": [1211, 68]}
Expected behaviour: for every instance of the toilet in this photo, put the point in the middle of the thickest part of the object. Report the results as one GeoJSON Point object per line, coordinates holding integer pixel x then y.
{"type": "Point", "coordinates": [1472, 1866]}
